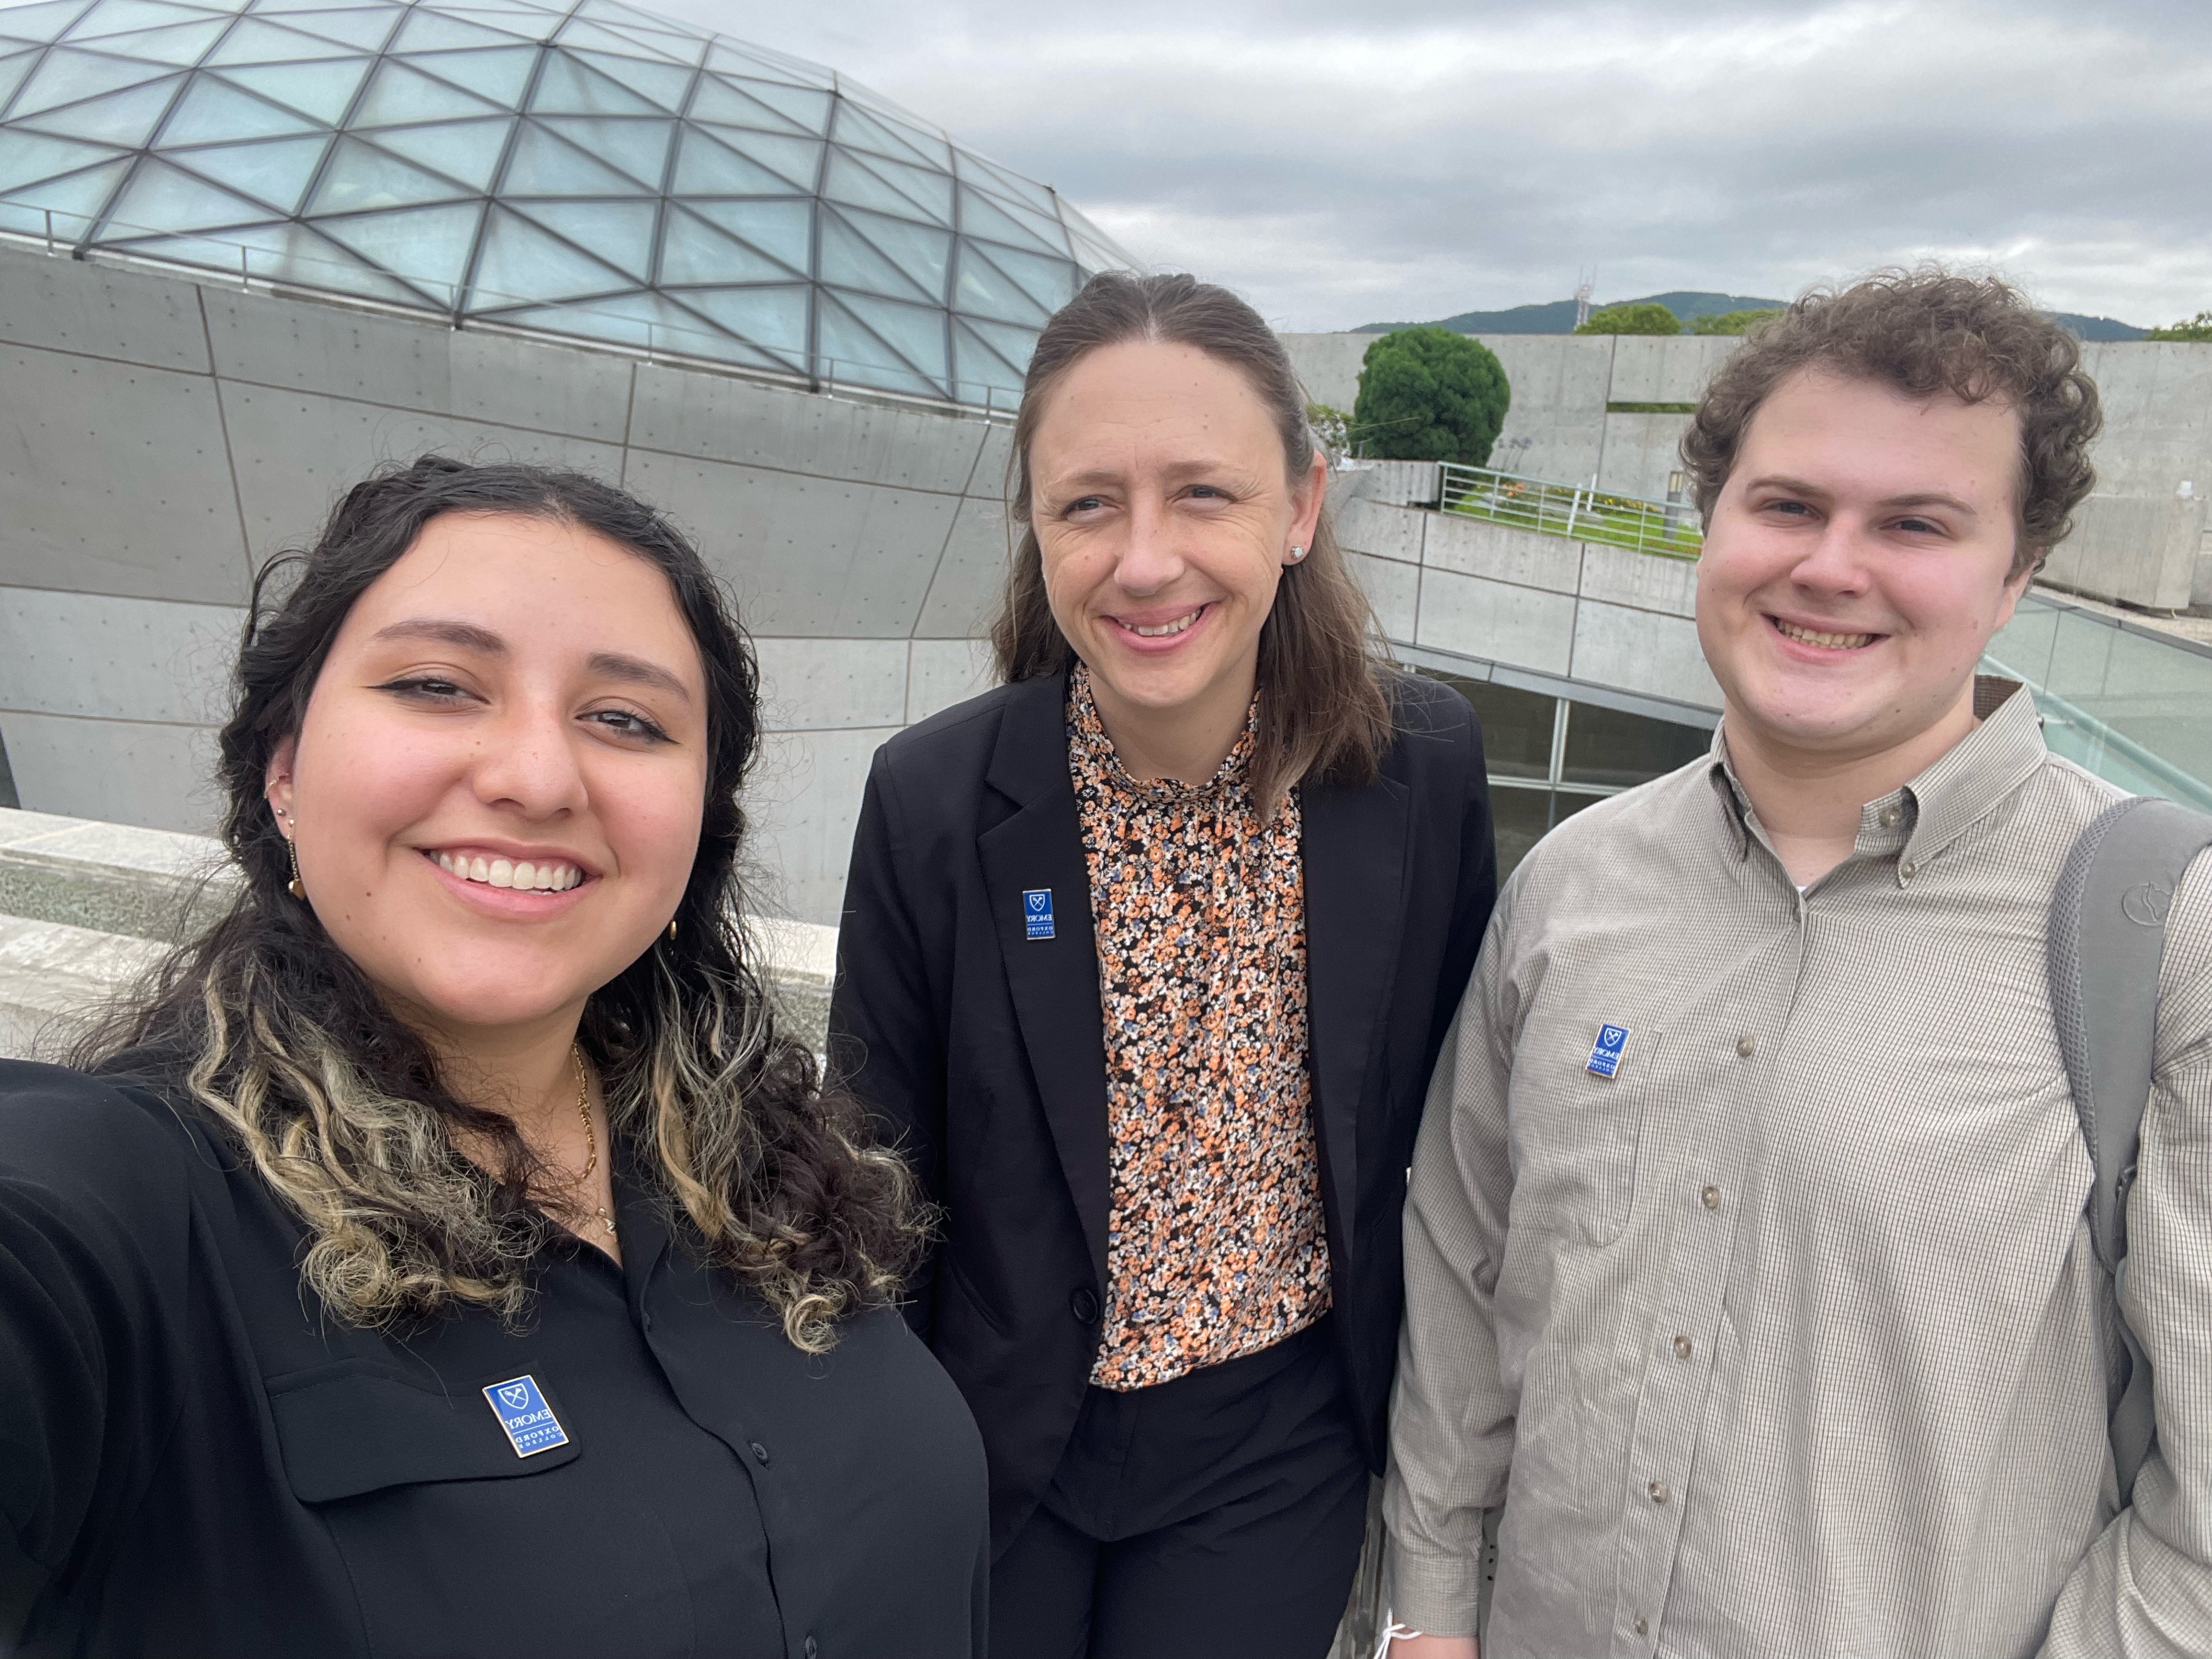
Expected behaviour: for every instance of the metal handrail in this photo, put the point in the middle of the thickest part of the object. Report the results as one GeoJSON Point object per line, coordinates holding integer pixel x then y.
{"type": "Point", "coordinates": [1670, 529]}
{"type": "Point", "coordinates": [661, 341]}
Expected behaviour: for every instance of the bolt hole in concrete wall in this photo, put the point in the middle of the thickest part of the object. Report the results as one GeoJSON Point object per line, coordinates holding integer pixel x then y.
{"type": "Point", "coordinates": [1549, 757]}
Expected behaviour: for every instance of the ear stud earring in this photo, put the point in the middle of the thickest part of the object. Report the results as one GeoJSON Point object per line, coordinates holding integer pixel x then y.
{"type": "Point", "coordinates": [1296, 553]}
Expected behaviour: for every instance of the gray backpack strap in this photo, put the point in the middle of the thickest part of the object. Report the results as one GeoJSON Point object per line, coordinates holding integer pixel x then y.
{"type": "Point", "coordinates": [2107, 939]}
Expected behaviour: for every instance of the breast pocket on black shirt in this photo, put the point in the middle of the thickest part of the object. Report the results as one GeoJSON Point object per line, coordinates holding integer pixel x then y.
{"type": "Point", "coordinates": [457, 1547]}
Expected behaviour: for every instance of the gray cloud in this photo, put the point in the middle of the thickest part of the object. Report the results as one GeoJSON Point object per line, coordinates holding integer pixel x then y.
{"type": "Point", "coordinates": [1414, 158]}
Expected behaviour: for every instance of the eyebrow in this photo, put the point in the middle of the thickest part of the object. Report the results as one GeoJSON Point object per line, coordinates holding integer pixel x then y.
{"type": "Point", "coordinates": [1916, 498]}
{"type": "Point", "coordinates": [637, 672]}
{"type": "Point", "coordinates": [610, 665]}
{"type": "Point", "coordinates": [1092, 477]}
{"type": "Point", "coordinates": [467, 636]}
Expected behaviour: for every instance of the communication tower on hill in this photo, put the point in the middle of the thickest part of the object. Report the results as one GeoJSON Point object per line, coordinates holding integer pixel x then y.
{"type": "Point", "coordinates": [1583, 288]}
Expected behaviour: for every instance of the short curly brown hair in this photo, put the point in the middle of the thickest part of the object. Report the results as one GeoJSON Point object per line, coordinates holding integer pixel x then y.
{"type": "Point", "coordinates": [1925, 331]}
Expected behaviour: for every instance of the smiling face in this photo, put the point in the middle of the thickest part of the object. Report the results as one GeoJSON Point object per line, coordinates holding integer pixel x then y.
{"type": "Point", "coordinates": [1857, 561]}
{"type": "Point", "coordinates": [1165, 518]}
{"type": "Point", "coordinates": [498, 785]}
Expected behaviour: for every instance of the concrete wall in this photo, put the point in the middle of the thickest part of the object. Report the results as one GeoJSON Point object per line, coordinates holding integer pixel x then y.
{"type": "Point", "coordinates": [1579, 618]}
{"type": "Point", "coordinates": [2137, 541]}
{"type": "Point", "coordinates": [165, 437]}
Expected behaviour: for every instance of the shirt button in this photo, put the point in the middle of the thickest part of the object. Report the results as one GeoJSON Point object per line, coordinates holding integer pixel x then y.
{"type": "Point", "coordinates": [1658, 1492]}
{"type": "Point", "coordinates": [1710, 1197]}
{"type": "Point", "coordinates": [1084, 1304]}
{"type": "Point", "coordinates": [760, 1454]}
{"type": "Point", "coordinates": [1684, 1347]}
{"type": "Point", "coordinates": [1906, 871]}
{"type": "Point", "coordinates": [1747, 1046]}
{"type": "Point", "coordinates": [1643, 1625]}
{"type": "Point", "coordinates": [1890, 817]}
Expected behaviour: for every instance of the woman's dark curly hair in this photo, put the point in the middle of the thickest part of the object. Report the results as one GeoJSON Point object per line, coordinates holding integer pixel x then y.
{"type": "Point", "coordinates": [341, 1106]}
{"type": "Point", "coordinates": [1923, 332]}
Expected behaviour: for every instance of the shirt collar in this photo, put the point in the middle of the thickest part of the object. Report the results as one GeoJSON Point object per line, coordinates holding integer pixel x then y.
{"type": "Point", "coordinates": [1917, 821]}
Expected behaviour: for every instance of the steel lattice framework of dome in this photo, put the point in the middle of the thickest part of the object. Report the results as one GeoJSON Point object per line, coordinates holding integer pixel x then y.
{"type": "Point", "coordinates": [588, 170]}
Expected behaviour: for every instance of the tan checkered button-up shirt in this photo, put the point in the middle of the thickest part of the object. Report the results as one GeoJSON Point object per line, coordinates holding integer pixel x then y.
{"type": "Point", "coordinates": [1788, 1339]}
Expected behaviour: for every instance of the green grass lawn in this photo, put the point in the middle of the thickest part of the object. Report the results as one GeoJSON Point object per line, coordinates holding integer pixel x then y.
{"type": "Point", "coordinates": [1616, 520]}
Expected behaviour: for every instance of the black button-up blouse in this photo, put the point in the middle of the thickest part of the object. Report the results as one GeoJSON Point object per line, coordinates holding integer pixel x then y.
{"type": "Point", "coordinates": [197, 1460]}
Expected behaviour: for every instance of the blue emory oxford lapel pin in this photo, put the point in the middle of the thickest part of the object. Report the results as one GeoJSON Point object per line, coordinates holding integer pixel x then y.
{"type": "Point", "coordinates": [531, 1426]}
{"type": "Point", "coordinates": [1036, 912]}
{"type": "Point", "coordinates": [1605, 1058]}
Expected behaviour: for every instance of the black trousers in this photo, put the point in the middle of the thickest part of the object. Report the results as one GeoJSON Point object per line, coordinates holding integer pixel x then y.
{"type": "Point", "coordinates": [1219, 1514]}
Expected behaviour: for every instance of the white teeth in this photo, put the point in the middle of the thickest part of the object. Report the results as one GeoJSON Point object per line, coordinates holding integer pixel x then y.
{"type": "Point", "coordinates": [1831, 641]}
{"type": "Point", "coordinates": [504, 872]}
{"type": "Point", "coordinates": [1165, 628]}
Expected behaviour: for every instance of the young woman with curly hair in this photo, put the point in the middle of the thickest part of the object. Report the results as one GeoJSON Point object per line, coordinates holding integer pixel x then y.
{"type": "Point", "coordinates": [450, 1251]}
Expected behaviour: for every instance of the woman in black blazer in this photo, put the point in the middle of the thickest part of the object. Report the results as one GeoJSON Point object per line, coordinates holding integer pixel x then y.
{"type": "Point", "coordinates": [1147, 958]}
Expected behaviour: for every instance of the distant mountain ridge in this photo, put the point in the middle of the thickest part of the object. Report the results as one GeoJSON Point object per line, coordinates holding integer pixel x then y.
{"type": "Point", "coordinates": [1558, 316]}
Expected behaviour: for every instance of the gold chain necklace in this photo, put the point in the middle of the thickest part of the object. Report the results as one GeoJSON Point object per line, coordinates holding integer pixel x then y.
{"type": "Point", "coordinates": [591, 1138]}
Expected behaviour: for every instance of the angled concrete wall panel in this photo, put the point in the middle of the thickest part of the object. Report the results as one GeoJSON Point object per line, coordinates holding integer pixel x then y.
{"type": "Point", "coordinates": [1476, 547]}
{"type": "Point", "coordinates": [817, 685]}
{"type": "Point", "coordinates": [1654, 369]}
{"type": "Point", "coordinates": [298, 452]}
{"type": "Point", "coordinates": [1641, 451]}
{"type": "Point", "coordinates": [113, 480]}
{"type": "Point", "coordinates": [58, 305]}
{"type": "Point", "coordinates": [1394, 589]}
{"type": "Point", "coordinates": [1641, 651]}
{"type": "Point", "coordinates": [943, 672]}
{"type": "Point", "coordinates": [119, 771]}
{"type": "Point", "coordinates": [1639, 579]}
{"type": "Point", "coordinates": [814, 557]}
{"type": "Point", "coordinates": [1381, 529]}
{"type": "Point", "coordinates": [805, 799]}
{"type": "Point", "coordinates": [970, 578]}
{"type": "Point", "coordinates": [115, 659]}
{"type": "Point", "coordinates": [1497, 621]}
{"type": "Point", "coordinates": [717, 418]}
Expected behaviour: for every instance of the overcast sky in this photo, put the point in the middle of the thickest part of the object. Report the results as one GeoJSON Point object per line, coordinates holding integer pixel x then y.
{"type": "Point", "coordinates": [1370, 160]}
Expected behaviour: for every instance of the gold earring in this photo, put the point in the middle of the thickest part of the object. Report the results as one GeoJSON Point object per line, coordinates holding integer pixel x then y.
{"type": "Point", "coordinates": [671, 930]}
{"type": "Point", "coordinates": [292, 849]}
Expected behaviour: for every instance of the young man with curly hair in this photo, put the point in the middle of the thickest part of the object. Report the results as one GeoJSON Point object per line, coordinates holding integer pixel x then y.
{"type": "Point", "coordinates": [1746, 1265]}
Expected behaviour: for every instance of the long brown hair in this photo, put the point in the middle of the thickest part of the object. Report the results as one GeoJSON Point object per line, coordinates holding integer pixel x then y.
{"type": "Point", "coordinates": [1323, 709]}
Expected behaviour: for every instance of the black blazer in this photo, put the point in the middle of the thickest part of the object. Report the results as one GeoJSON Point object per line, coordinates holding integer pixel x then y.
{"type": "Point", "coordinates": [982, 1049]}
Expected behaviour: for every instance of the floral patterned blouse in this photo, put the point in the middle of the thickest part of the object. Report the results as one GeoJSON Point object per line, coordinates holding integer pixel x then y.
{"type": "Point", "coordinates": [1214, 1242]}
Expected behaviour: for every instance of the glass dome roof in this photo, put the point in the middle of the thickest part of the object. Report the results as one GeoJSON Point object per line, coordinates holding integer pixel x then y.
{"type": "Point", "coordinates": [587, 169]}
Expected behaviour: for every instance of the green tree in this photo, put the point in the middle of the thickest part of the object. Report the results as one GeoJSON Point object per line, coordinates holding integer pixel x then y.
{"type": "Point", "coordinates": [1730, 322]}
{"type": "Point", "coordinates": [1645, 317]}
{"type": "Point", "coordinates": [2198, 327]}
{"type": "Point", "coordinates": [1427, 394]}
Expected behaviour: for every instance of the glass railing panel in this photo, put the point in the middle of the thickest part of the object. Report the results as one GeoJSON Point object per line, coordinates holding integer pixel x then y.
{"type": "Point", "coordinates": [2133, 707]}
